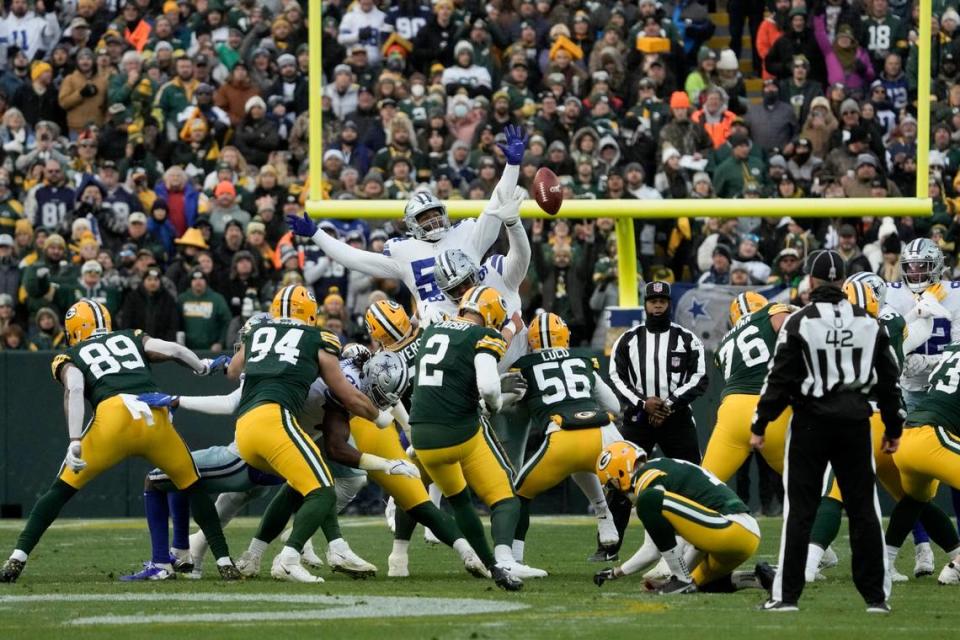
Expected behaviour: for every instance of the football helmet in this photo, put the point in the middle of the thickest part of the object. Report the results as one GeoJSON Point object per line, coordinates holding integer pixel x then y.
{"type": "Point", "coordinates": [252, 323]}
{"type": "Point", "coordinates": [387, 322]}
{"type": "Point", "coordinates": [430, 229]}
{"type": "Point", "coordinates": [548, 331]}
{"type": "Point", "coordinates": [86, 318]}
{"type": "Point", "coordinates": [745, 303]}
{"type": "Point", "coordinates": [295, 302]}
{"type": "Point", "coordinates": [387, 377]}
{"type": "Point", "coordinates": [455, 273]}
{"type": "Point", "coordinates": [486, 302]}
{"type": "Point", "coordinates": [617, 462]}
{"type": "Point", "coordinates": [860, 294]}
{"type": "Point", "coordinates": [875, 282]}
{"type": "Point", "coordinates": [921, 264]}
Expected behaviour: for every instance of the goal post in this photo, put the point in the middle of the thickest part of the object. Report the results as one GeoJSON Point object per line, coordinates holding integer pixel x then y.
{"type": "Point", "coordinates": [625, 211]}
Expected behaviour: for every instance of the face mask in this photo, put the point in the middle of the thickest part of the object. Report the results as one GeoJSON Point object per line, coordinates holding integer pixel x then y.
{"type": "Point", "coordinates": [395, 64]}
{"type": "Point", "coordinates": [460, 111]}
{"type": "Point", "coordinates": [417, 90]}
{"type": "Point", "coordinates": [769, 99]}
{"type": "Point", "coordinates": [801, 158]}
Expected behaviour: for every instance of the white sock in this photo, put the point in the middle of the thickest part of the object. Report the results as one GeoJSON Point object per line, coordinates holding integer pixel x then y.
{"type": "Point", "coordinates": [436, 495]}
{"type": "Point", "coordinates": [923, 546]}
{"type": "Point", "coordinates": [257, 547]}
{"type": "Point", "coordinates": [674, 560]}
{"type": "Point", "coordinates": [224, 562]}
{"type": "Point", "coordinates": [691, 555]}
{"type": "Point", "coordinates": [589, 484]}
{"type": "Point", "coordinates": [338, 546]}
{"type": "Point", "coordinates": [814, 555]}
{"type": "Point", "coordinates": [892, 553]}
{"type": "Point", "coordinates": [180, 553]}
{"type": "Point", "coordinates": [503, 554]}
{"type": "Point", "coordinates": [461, 546]}
{"type": "Point", "coordinates": [518, 547]}
{"type": "Point", "coordinates": [18, 555]}
{"type": "Point", "coordinates": [230, 504]}
{"type": "Point", "coordinates": [289, 555]}
{"type": "Point", "coordinates": [400, 547]}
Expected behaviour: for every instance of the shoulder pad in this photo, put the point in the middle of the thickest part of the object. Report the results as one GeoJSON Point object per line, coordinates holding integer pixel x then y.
{"type": "Point", "coordinates": [596, 363]}
{"type": "Point", "coordinates": [330, 343]}
{"type": "Point", "coordinates": [495, 263]}
{"type": "Point", "coordinates": [391, 243]}
{"type": "Point", "coordinates": [58, 363]}
{"type": "Point", "coordinates": [496, 345]}
{"type": "Point", "coordinates": [776, 308]}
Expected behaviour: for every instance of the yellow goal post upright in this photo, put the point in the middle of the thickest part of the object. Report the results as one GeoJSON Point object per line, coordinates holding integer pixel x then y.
{"type": "Point", "coordinates": [625, 211]}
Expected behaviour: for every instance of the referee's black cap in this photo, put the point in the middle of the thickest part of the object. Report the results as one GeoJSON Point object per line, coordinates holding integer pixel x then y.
{"type": "Point", "coordinates": [656, 289]}
{"type": "Point", "coordinates": [826, 265]}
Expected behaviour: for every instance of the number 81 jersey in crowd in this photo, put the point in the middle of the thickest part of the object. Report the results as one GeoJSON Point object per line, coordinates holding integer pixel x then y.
{"type": "Point", "coordinates": [745, 351]}
{"type": "Point", "coordinates": [111, 363]}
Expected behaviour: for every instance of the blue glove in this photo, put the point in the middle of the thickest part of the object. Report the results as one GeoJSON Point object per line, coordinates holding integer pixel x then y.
{"type": "Point", "coordinates": [516, 143]}
{"type": "Point", "coordinates": [158, 400]}
{"type": "Point", "coordinates": [303, 226]}
{"type": "Point", "coordinates": [220, 363]}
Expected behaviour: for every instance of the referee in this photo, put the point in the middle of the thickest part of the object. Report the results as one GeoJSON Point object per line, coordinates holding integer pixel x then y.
{"type": "Point", "coordinates": [829, 356]}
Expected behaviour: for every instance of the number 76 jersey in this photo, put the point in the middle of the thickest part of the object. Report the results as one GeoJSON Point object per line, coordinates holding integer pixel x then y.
{"type": "Point", "coordinates": [746, 350]}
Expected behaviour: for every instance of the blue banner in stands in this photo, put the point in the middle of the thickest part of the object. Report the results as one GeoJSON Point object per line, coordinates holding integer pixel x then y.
{"type": "Point", "coordinates": [704, 309]}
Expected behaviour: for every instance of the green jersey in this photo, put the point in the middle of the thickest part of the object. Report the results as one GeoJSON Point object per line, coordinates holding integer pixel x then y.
{"type": "Point", "coordinates": [560, 389]}
{"type": "Point", "coordinates": [896, 326]}
{"type": "Point", "coordinates": [408, 350]}
{"type": "Point", "coordinates": [690, 481]}
{"type": "Point", "coordinates": [446, 402]}
{"type": "Point", "coordinates": [111, 363]}
{"type": "Point", "coordinates": [940, 406]}
{"type": "Point", "coordinates": [745, 351]}
{"type": "Point", "coordinates": [281, 362]}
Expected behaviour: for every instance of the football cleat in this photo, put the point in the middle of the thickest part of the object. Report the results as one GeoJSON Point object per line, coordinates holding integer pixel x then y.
{"type": "Point", "coordinates": [150, 571]}
{"type": "Point", "coordinates": [398, 565]}
{"type": "Point", "coordinates": [475, 566]}
{"type": "Point", "coordinates": [603, 554]}
{"type": "Point", "coordinates": [923, 565]}
{"type": "Point", "coordinates": [292, 571]}
{"type": "Point", "coordinates": [950, 574]}
{"type": "Point", "coordinates": [429, 537]}
{"type": "Point", "coordinates": [344, 560]}
{"type": "Point", "coordinates": [522, 571]}
{"type": "Point", "coordinates": [198, 549]}
{"type": "Point", "coordinates": [829, 559]}
{"type": "Point", "coordinates": [309, 556]}
{"type": "Point", "coordinates": [249, 564]}
{"type": "Point", "coordinates": [878, 607]}
{"type": "Point", "coordinates": [778, 607]}
{"type": "Point", "coordinates": [676, 586]}
{"type": "Point", "coordinates": [229, 572]}
{"type": "Point", "coordinates": [607, 531]}
{"type": "Point", "coordinates": [11, 570]}
{"type": "Point", "coordinates": [896, 576]}
{"type": "Point", "coordinates": [504, 579]}
{"type": "Point", "coordinates": [181, 560]}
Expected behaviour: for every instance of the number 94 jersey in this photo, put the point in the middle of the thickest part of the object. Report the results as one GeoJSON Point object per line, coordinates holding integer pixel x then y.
{"type": "Point", "coordinates": [745, 351]}
{"type": "Point", "coordinates": [111, 363]}
{"type": "Point", "coordinates": [560, 389]}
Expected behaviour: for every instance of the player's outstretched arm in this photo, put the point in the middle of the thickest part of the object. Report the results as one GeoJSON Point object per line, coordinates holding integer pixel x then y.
{"type": "Point", "coordinates": [488, 224]}
{"type": "Point", "coordinates": [158, 350]}
{"type": "Point", "coordinates": [517, 261]}
{"type": "Point", "coordinates": [368, 262]}
{"type": "Point", "coordinates": [488, 381]}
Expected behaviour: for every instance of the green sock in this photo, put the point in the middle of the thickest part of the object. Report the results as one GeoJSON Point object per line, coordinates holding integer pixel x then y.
{"type": "Point", "coordinates": [317, 506]}
{"type": "Point", "coordinates": [442, 525]}
{"type": "Point", "coordinates": [826, 525]}
{"type": "Point", "coordinates": [330, 525]}
{"type": "Point", "coordinates": [902, 518]}
{"type": "Point", "coordinates": [504, 517]}
{"type": "Point", "coordinates": [650, 510]}
{"type": "Point", "coordinates": [205, 515]}
{"type": "Point", "coordinates": [44, 513]}
{"type": "Point", "coordinates": [404, 525]}
{"type": "Point", "coordinates": [285, 502]}
{"type": "Point", "coordinates": [469, 522]}
{"type": "Point", "coordinates": [939, 527]}
{"type": "Point", "coordinates": [523, 524]}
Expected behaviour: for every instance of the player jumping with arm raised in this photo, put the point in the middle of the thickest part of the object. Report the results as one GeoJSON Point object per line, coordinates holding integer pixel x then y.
{"type": "Point", "coordinates": [412, 260]}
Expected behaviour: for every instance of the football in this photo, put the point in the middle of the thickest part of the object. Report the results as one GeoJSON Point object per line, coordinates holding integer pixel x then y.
{"type": "Point", "coordinates": [547, 191]}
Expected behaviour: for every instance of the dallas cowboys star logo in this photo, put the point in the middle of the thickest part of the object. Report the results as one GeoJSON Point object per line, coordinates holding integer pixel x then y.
{"type": "Point", "coordinates": [699, 309]}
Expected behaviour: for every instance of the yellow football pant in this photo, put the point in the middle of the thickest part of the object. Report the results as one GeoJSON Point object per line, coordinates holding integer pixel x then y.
{"type": "Point", "coordinates": [406, 492]}
{"type": "Point", "coordinates": [887, 472]}
{"type": "Point", "coordinates": [729, 445]}
{"type": "Point", "coordinates": [269, 439]}
{"type": "Point", "coordinates": [477, 463]}
{"type": "Point", "coordinates": [114, 435]}
{"type": "Point", "coordinates": [725, 543]}
{"type": "Point", "coordinates": [927, 456]}
{"type": "Point", "coordinates": [561, 454]}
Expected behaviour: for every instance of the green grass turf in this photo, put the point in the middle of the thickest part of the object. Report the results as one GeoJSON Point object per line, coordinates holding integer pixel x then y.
{"type": "Point", "coordinates": [86, 556]}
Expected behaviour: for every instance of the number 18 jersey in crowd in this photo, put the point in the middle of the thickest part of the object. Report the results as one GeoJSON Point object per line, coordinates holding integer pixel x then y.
{"type": "Point", "coordinates": [111, 363]}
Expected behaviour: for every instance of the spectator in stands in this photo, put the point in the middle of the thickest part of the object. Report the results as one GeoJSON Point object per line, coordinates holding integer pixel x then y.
{"type": "Point", "coordinates": [9, 267]}
{"type": "Point", "coordinates": [773, 123]}
{"type": "Point", "coordinates": [682, 134]}
{"type": "Point", "coordinates": [38, 99]}
{"type": "Point", "coordinates": [770, 30]}
{"type": "Point", "coordinates": [205, 315]}
{"type": "Point", "coordinates": [719, 272]}
{"type": "Point", "coordinates": [739, 170]}
{"type": "Point", "coordinates": [49, 281]}
{"type": "Point", "coordinates": [846, 61]}
{"type": "Point", "coordinates": [91, 285]}
{"type": "Point", "coordinates": [49, 335]}
{"type": "Point", "coordinates": [797, 40]}
{"type": "Point", "coordinates": [83, 93]}
{"type": "Point", "coordinates": [151, 308]}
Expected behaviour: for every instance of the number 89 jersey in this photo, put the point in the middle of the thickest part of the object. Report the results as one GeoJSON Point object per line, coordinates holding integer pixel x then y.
{"type": "Point", "coordinates": [280, 364]}
{"type": "Point", "coordinates": [111, 363]}
{"type": "Point", "coordinates": [560, 389]}
{"type": "Point", "coordinates": [745, 351]}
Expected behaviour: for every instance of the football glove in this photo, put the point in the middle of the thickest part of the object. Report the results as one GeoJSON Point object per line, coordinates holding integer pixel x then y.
{"type": "Point", "coordinates": [411, 453]}
{"type": "Point", "coordinates": [214, 365]}
{"type": "Point", "coordinates": [507, 209]}
{"type": "Point", "coordinates": [402, 468]}
{"type": "Point", "coordinates": [513, 382]}
{"type": "Point", "coordinates": [515, 145]}
{"type": "Point", "coordinates": [302, 226]}
{"type": "Point", "coordinates": [158, 400]}
{"type": "Point", "coordinates": [73, 459]}
{"type": "Point", "coordinates": [603, 576]}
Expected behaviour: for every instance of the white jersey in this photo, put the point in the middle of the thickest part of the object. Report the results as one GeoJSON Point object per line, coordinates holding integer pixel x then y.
{"type": "Point", "coordinates": [492, 275]}
{"type": "Point", "coordinates": [314, 407]}
{"type": "Point", "coordinates": [31, 33]}
{"type": "Point", "coordinates": [939, 332]}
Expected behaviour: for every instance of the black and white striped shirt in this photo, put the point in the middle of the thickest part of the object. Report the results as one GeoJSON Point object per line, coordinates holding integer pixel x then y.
{"type": "Point", "coordinates": [667, 364]}
{"type": "Point", "coordinates": [830, 356]}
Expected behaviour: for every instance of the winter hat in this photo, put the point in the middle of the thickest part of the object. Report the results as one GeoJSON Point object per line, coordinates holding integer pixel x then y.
{"type": "Point", "coordinates": [255, 101]}
{"type": "Point", "coordinates": [728, 61]}
{"type": "Point", "coordinates": [679, 100]}
{"type": "Point", "coordinates": [950, 14]}
{"type": "Point", "coordinates": [38, 69]}
{"type": "Point", "coordinates": [669, 152]}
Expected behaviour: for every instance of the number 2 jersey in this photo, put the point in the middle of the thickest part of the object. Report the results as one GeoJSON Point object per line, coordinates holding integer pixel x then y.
{"type": "Point", "coordinates": [111, 364]}
{"type": "Point", "coordinates": [940, 406]}
{"type": "Point", "coordinates": [745, 351]}
{"type": "Point", "coordinates": [560, 389]}
{"type": "Point", "coordinates": [446, 401]}
{"type": "Point", "coordinates": [281, 362]}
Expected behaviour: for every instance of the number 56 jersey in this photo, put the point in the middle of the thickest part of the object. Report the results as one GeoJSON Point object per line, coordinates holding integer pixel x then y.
{"type": "Point", "coordinates": [745, 351]}
{"type": "Point", "coordinates": [560, 389]}
{"type": "Point", "coordinates": [111, 364]}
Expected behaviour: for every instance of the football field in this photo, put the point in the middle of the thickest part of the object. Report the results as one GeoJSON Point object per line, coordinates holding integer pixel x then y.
{"type": "Point", "coordinates": [70, 590]}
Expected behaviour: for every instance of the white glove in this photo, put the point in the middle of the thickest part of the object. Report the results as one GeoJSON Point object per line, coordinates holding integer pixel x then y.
{"type": "Point", "coordinates": [411, 453]}
{"type": "Point", "coordinates": [509, 211]}
{"type": "Point", "coordinates": [928, 307]}
{"type": "Point", "coordinates": [73, 459]}
{"type": "Point", "coordinates": [917, 364]}
{"type": "Point", "coordinates": [402, 468]}
{"type": "Point", "coordinates": [384, 420]}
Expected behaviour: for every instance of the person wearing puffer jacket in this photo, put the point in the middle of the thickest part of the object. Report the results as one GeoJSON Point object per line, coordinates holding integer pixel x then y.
{"type": "Point", "coordinates": [257, 136]}
{"type": "Point", "coordinates": [715, 117]}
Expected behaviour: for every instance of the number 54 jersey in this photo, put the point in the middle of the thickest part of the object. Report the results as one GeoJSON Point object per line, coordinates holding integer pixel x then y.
{"type": "Point", "coordinates": [111, 363]}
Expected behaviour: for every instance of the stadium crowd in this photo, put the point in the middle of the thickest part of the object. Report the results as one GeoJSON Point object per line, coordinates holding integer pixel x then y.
{"type": "Point", "coordinates": [151, 149]}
